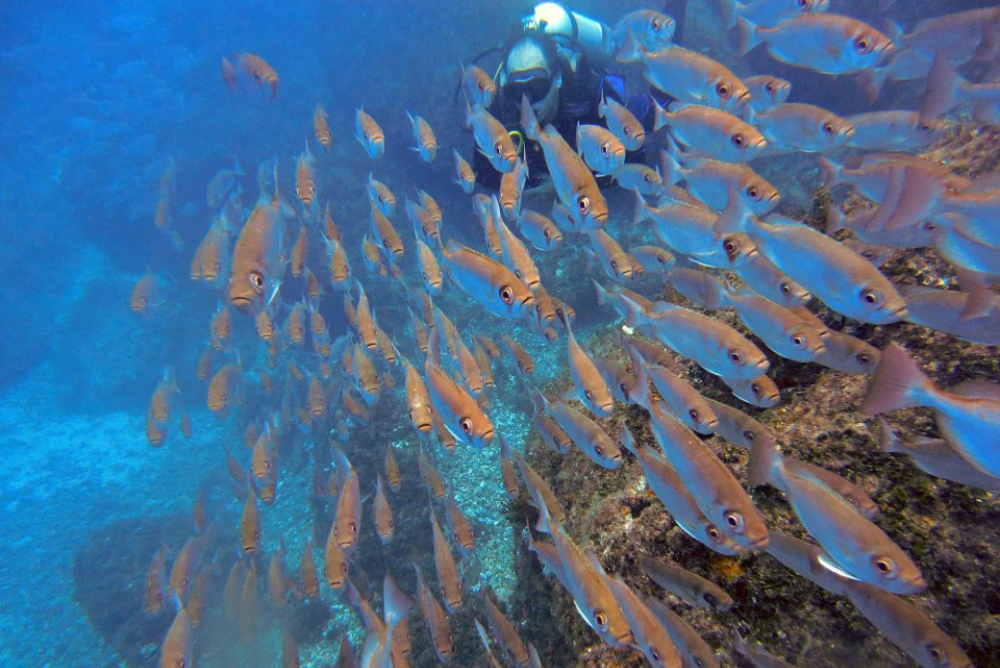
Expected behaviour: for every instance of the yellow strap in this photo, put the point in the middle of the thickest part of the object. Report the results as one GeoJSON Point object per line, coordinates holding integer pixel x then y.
{"type": "Point", "coordinates": [518, 139]}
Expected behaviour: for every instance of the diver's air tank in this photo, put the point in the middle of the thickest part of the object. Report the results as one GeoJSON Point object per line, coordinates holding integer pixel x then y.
{"type": "Point", "coordinates": [553, 18]}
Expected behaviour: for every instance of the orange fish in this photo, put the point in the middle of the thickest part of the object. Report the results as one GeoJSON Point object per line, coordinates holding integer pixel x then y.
{"type": "Point", "coordinates": [373, 258]}
{"type": "Point", "coordinates": [305, 177]}
{"type": "Point", "coordinates": [161, 403]}
{"type": "Point", "coordinates": [248, 607]}
{"type": "Point", "coordinates": [392, 473]}
{"type": "Point", "coordinates": [186, 426]}
{"type": "Point", "coordinates": [262, 457]}
{"type": "Point", "coordinates": [145, 294]}
{"type": "Point", "coordinates": [330, 229]}
{"type": "Point", "coordinates": [340, 268]}
{"type": "Point", "coordinates": [223, 390]}
{"type": "Point", "coordinates": [317, 399]}
{"type": "Point", "coordinates": [221, 327]}
{"type": "Point", "coordinates": [335, 562]}
{"type": "Point", "coordinates": [299, 250]}
{"type": "Point", "coordinates": [204, 363]}
{"type": "Point", "coordinates": [260, 256]}
{"type": "Point", "coordinates": [200, 592]}
{"type": "Point", "coordinates": [252, 69]}
{"type": "Point", "coordinates": [233, 590]}
{"type": "Point", "coordinates": [321, 126]}
{"type": "Point", "coordinates": [289, 649]}
{"type": "Point", "coordinates": [317, 323]}
{"type": "Point", "coordinates": [235, 470]}
{"type": "Point", "coordinates": [276, 578]}
{"type": "Point", "coordinates": [178, 647]}
{"type": "Point", "coordinates": [366, 322]}
{"type": "Point", "coordinates": [250, 527]}
{"type": "Point", "coordinates": [185, 566]}
{"type": "Point", "coordinates": [156, 582]}
{"type": "Point", "coordinates": [154, 434]}
{"type": "Point", "coordinates": [418, 399]}
{"type": "Point", "coordinates": [312, 285]}
{"type": "Point", "coordinates": [350, 312]}
{"type": "Point", "coordinates": [308, 573]}
{"type": "Point", "coordinates": [297, 323]}
{"type": "Point", "coordinates": [264, 325]}
{"type": "Point", "coordinates": [225, 182]}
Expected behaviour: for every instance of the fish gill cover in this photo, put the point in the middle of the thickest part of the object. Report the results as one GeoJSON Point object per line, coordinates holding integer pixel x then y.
{"type": "Point", "coordinates": [271, 342]}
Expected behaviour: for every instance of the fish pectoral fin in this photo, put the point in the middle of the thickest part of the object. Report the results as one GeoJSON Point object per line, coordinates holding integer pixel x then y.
{"type": "Point", "coordinates": [827, 562]}
{"type": "Point", "coordinates": [589, 623]}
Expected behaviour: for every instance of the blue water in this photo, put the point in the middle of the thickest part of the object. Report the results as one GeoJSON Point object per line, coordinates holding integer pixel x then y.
{"type": "Point", "coordinates": [98, 98]}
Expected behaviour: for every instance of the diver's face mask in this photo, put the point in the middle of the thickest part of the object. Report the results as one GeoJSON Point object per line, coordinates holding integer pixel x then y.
{"type": "Point", "coordinates": [535, 83]}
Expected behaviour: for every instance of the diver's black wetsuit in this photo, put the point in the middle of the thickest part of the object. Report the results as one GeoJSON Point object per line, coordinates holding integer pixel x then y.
{"type": "Point", "coordinates": [579, 97]}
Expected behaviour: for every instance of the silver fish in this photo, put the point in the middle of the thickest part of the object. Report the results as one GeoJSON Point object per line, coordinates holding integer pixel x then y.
{"type": "Point", "coordinates": [687, 586]}
{"type": "Point", "coordinates": [968, 416]}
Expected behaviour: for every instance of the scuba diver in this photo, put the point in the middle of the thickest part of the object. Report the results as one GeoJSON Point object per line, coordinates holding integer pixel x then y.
{"type": "Point", "coordinates": [556, 58]}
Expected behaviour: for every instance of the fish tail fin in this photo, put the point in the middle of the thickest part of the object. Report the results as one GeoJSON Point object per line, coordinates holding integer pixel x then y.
{"type": "Point", "coordinates": [749, 35]}
{"type": "Point", "coordinates": [602, 294]}
{"type": "Point", "coordinates": [888, 441]}
{"type": "Point", "coordinates": [942, 89]}
{"type": "Point", "coordinates": [641, 211]}
{"type": "Point", "coordinates": [765, 462]}
{"type": "Point", "coordinates": [829, 172]}
{"type": "Point", "coordinates": [871, 82]}
{"type": "Point", "coordinates": [641, 393]}
{"type": "Point", "coordinates": [669, 167]}
{"type": "Point", "coordinates": [468, 114]}
{"type": "Point", "coordinates": [981, 298]}
{"type": "Point", "coordinates": [727, 13]}
{"type": "Point", "coordinates": [896, 384]}
{"type": "Point", "coordinates": [628, 440]}
{"type": "Point", "coordinates": [630, 50]}
{"type": "Point", "coordinates": [396, 603]}
{"type": "Point", "coordinates": [660, 116]}
{"type": "Point", "coordinates": [734, 217]}
{"type": "Point", "coordinates": [834, 218]}
{"type": "Point", "coordinates": [529, 121]}
{"type": "Point", "coordinates": [739, 644]}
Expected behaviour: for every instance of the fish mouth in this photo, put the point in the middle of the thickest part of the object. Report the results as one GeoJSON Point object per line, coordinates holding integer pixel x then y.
{"type": "Point", "coordinates": [424, 427]}
{"type": "Point", "coordinates": [601, 217]}
{"type": "Point", "coordinates": [759, 543]}
{"type": "Point", "coordinates": [241, 303]}
{"type": "Point", "coordinates": [487, 437]}
{"type": "Point", "coordinates": [901, 312]}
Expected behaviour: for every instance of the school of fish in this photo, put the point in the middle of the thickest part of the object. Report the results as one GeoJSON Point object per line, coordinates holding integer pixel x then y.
{"type": "Point", "coordinates": [272, 362]}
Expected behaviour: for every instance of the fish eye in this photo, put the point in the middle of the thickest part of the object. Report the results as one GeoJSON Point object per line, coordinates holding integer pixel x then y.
{"type": "Point", "coordinates": [713, 532]}
{"type": "Point", "coordinates": [694, 415]}
{"type": "Point", "coordinates": [354, 528]}
{"type": "Point", "coordinates": [769, 87]}
{"type": "Point", "coordinates": [584, 205]}
{"type": "Point", "coordinates": [755, 388]}
{"type": "Point", "coordinates": [786, 289]}
{"type": "Point", "coordinates": [864, 358]}
{"type": "Point", "coordinates": [547, 234]}
{"type": "Point", "coordinates": [614, 265]}
{"type": "Point", "coordinates": [735, 521]}
{"type": "Point", "coordinates": [885, 566]}
{"type": "Point", "coordinates": [872, 297]}
{"type": "Point", "coordinates": [711, 599]}
{"type": "Point", "coordinates": [600, 619]}
{"type": "Point", "coordinates": [599, 451]}
{"type": "Point", "coordinates": [257, 281]}
{"type": "Point", "coordinates": [466, 425]}
{"type": "Point", "coordinates": [938, 654]}
{"type": "Point", "coordinates": [805, 5]}
{"type": "Point", "coordinates": [698, 662]}
{"type": "Point", "coordinates": [753, 193]}
{"type": "Point", "coordinates": [731, 247]}
{"type": "Point", "coordinates": [655, 653]}
{"type": "Point", "coordinates": [749, 435]}
{"type": "Point", "coordinates": [604, 149]}
{"type": "Point", "coordinates": [589, 395]}
{"type": "Point", "coordinates": [739, 141]}
{"type": "Point", "coordinates": [343, 567]}
{"type": "Point", "coordinates": [722, 89]}
{"type": "Point", "coordinates": [627, 131]}
{"type": "Point", "coordinates": [624, 388]}
{"type": "Point", "coordinates": [828, 128]}
{"type": "Point", "coordinates": [648, 179]}
{"type": "Point", "coordinates": [506, 294]}
{"type": "Point", "coordinates": [655, 25]}
{"type": "Point", "coordinates": [863, 44]}
{"type": "Point", "coordinates": [799, 342]}
{"type": "Point", "coordinates": [736, 357]}
{"type": "Point", "coordinates": [499, 149]}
